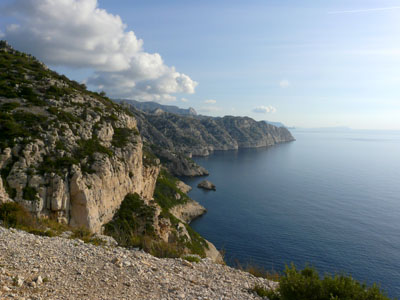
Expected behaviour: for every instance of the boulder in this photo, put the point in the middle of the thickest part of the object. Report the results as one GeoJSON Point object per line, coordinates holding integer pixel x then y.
{"type": "Point", "coordinates": [207, 185]}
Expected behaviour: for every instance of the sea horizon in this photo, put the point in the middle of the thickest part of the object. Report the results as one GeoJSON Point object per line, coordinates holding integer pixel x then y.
{"type": "Point", "coordinates": [311, 201]}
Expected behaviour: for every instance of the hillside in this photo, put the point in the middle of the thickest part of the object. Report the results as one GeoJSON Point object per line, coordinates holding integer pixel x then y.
{"type": "Point", "coordinates": [201, 135]}
{"type": "Point", "coordinates": [176, 138]}
{"type": "Point", "coordinates": [151, 107]}
{"type": "Point", "coordinates": [74, 156]}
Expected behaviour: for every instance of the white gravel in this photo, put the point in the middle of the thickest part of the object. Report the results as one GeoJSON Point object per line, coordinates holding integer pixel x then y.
{"type": "Point", "coordinates": [33, 267]}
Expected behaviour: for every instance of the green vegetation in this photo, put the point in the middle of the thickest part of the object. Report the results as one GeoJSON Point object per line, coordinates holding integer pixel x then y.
{"type": "Point", "coordinates": [29, 94]}
{"type": "Point", "coordinates": [258, 271]}
{"type": "Point", "coordinates": [121, 137]}
{"type": "Point", "coordinates": [166, 191]}
{"type": "Point", "coordinates": [9, 106]}
{"type": "Point", "coordinates": [306, 284]}
{"type": "Point", "coordinates": [30, 193]}
{"type": "Point", "coordinates": [261, 291]}
{"type": "Point", "coordinates": [165, 195]}
{"type": "Point", "coordinates": [132, 226]}
{"type": "Point", "coordinates": [5, 171]}
{"type": "Point", "coordinates": [89, 147]}
{"type": "Point", "coordinates": [18, 124]}
{"type": "Point", "coordinates": [56, 92]}
{"type": "Point", "coordinates": [133, 218]}
{"type": "Point", "coordinates": [52, 164]}
{"type": "Point", "coordinates": [149, 158]}
{"type": "Point", "coordinates": [63, 116]}
{"type": "Point", "coordinates": [15, 215]}
{"type": "Point", "coordinates": [192, 258]}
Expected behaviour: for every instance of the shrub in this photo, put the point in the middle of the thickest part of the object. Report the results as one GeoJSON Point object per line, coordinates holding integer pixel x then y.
{"type": "Point", "coordinates": [132, 221]}
{"type": "Point", "coordinates": [14, 215]}
{"type": "Point", "coordinates": [30, 193]}
{"type": "Point", "coordinates": [192, 258]}
{"type": "Point", "coordinates": [166, 190]}
{"type": "Point", "coordinates": [121, 137]}
{"type": "Point", "coordinates": [9, 106]}
{"type": "Point", "coordinates": [89, 147]}
{"type": "Point", "coordinates": [308, 285]}
{"type": "Point", "coordinates": [261, 291]}
{"type": "Point", "coordinates": [29, 94]}
{"type": "Point", "coordinates": [258, 271]}
{"type": "Point", "coordinates": [56, 165]}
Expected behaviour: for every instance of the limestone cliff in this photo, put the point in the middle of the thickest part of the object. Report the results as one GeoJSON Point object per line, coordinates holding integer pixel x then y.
{"type": "Point", "coordinates": [176, 138]}
{"type": "Point", "coordinates": [77, 157]}
{"type": "Point", "coordinates": [65, 152]}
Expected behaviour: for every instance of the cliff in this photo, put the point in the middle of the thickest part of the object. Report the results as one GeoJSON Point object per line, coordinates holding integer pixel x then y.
{"type": "Point", "coordinates": [154, 107]}
{"type": "Point", "coordinates": [176, 138]}
{"type": "Point", "coordinates": [77, 157]}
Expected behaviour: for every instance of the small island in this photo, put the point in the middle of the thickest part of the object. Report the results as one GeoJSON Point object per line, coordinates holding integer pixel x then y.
{"type": "Point", "coordinates": [207, 185]}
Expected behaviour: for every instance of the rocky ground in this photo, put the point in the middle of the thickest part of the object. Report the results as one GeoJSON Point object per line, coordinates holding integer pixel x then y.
{"type": "Point", "coordinates": [34, 267]}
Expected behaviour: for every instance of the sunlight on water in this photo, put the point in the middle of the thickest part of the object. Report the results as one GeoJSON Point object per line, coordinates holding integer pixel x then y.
{"type": "Point", "coordinates": [330, 199]}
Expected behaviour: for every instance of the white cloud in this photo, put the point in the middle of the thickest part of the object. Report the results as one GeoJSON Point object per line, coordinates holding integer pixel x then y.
{"type": "Point", "coordinates": [284, 83]}
{"type": "Point", "coordinates": [264, 109]}
{"type": "Point", "coordinates": [210, 101]}
{"type": "Point", "coordinates": [76, 33]}
{"type": "Point", "coordinates": [184, 100]}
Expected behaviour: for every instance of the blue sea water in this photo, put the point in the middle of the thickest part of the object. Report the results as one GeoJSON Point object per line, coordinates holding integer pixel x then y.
{"type": "Point", "coordinates": [330, 199]}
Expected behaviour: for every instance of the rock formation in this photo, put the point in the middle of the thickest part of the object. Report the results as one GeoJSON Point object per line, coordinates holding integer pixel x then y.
{"type": "Point", "coordinates": [207, 185]}
{"type": "Point", "coordinates": [176, 138]}
{"type": "Point", "coordinates": [75, 156]}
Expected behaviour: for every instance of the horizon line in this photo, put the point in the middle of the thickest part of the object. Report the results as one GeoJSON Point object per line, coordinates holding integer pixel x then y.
{"type": "Point", "coordinates": [363, 10]}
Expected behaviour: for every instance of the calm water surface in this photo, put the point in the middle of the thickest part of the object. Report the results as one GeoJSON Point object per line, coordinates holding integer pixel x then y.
{"type": "Point", "coordinates": [331, 199]}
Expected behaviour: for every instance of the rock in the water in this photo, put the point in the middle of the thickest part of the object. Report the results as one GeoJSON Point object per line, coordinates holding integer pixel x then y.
{"type": "Point", "coordinates": [207, 185]}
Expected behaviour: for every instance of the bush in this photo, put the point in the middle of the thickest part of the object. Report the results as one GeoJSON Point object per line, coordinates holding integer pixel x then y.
{"type": "Point", "coordinates": [30, 193]}
{"type": "Point", "coordinates": [121, 137]}
{"type": "Point", "coordinates": [308, 285]}
{"type": "Point", "coordinates": [132, 222]}
{"type": "Point", "coordinates": [192, 258]}
{"type": "Point", "coordinates": [261, 291]}
{"type": "Point", "coordinates": [166, 190]}
{"type": "Point", "coordinates": [9, 106]}
{"type": "Point", "coordinates": [14, 215]}
{"type": "Point", "coordinates": [258, 271]}
{"type": "Point", "coordinates": [89, 147]}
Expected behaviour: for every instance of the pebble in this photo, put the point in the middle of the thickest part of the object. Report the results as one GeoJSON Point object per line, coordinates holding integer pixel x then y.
{"type": "Point", "coordinates": [75, 270]}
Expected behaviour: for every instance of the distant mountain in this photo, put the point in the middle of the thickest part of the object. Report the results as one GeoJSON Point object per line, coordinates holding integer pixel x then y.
{"type": "Point", "coordinates": [277, 124]}
{"type": "Point", "coordinates": [326, 129]}
{"type": "Point", "coordinates": [175, 138]}
{"type": "Point", "coordinates": [154, 107]}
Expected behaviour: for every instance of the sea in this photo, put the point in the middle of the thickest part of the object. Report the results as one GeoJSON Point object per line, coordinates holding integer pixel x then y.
{"type": "Point", "coordinates": [330, 199]}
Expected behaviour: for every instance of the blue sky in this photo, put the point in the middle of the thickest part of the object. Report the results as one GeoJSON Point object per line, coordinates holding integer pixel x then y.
{"type": "Point", "coordinates": [304, 63]}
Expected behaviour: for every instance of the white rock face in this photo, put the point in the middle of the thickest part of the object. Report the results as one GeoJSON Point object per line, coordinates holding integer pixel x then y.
{"type": "Point", "coordinates": [74, 195]}
{"type": "Point", "coordinates": [188, 211]}
{"type": "Point", "coordinates": [4, 158]}
{"type": "Point", "coordinates": [94, 198]}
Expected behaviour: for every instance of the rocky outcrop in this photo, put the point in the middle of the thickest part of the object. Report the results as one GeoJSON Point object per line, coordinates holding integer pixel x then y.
{"type": "Point", "coordinates": [67, 153]}
{"type": "Point", "coordinates": [155, 107]}
{"type": "Point", "coordinates": [179, 164]}
{"type": "Point", "coordinates": [207, 185]}
{"type": "Point", "coordinates": [188, 211]}
{"type": "Point", "coordinates": [183, 187]}
{"type": "Point", "coordinates": [187, 136]}
{"type": "Point", "coordinates": [214, 254]}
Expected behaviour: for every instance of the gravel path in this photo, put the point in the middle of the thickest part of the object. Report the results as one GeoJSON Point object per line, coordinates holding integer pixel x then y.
{"type": "Point", "coordinates": [33, 267]}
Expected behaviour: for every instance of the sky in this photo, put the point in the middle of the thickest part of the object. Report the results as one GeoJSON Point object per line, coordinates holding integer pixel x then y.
{"type": "Point", "coordinates": [311, 63]}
